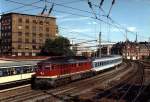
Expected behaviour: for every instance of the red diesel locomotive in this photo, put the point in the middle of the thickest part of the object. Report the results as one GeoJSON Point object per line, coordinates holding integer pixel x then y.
{"type": "Point", "coordinates": [60, 70]}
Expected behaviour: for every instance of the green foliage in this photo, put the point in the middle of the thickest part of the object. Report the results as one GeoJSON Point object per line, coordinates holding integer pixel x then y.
{"type": "Point", "coordinates": [57, 47]}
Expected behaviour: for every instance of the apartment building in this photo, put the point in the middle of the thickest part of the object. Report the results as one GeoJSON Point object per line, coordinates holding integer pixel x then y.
{"type": "Point", "coordinates": [24, 34]}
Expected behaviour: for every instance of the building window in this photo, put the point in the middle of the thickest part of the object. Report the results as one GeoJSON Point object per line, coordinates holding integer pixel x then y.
{"type": "Point", "coordinates": [27, 27]}
{"type": "Point", "coordinates": [47, 35]}
{"type": "Point", "coordinates": [9, 27]}
{"type": "Point", "coordinates": [27, 34]}
{"type": "Point", "coordinates": [2, 28]}
{"type": "Point", "coordinates": [34, 34]}
{"type": "Point", "coordinates": [34, 47]}
{"type": "Point", "coordinates": [19, 39]}
{"type": "Point", "coordinates": [33, 41]}
{"type": "Point", "coordinates": [41, 22]}
{"type": "Point", "coordinates": [40, 41]}
{"type": "Point", "coordinates": [19, 33]}
{"type": "Point", "coordinates": [47, 29]}
{"type": "Point", "coordinates": [47, 23]}
{"type": "Point", "coordinates": [20, 20]}
{"type": "Point", "coordinates": [34, 21]}
{"type": "Point", "coordinates": [41, 35]}
{"type": "Point", "coordinates": [19, 46]}
{"type": "Point", "coordinates": [27, 20]}
{"type": "Point", "coordinates": [40, 47]}
{"type": "Point", "coordinates": [41, 29]}
{"type": "Point", "coordinates": [34, 28]}
{"type": "Point", "coordinates": [27, 40]}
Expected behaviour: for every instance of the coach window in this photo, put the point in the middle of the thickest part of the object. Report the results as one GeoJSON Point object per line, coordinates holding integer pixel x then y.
{"type": "Point", "coordinates": [18, 70]}
{"type": "Point", "coordinates": [24, 69]}
{"type": "Point", "coordinates": [33, 68]}
{"type": "Point", "coordinates": [29, 68]}
{"type": "Point", "coordinates": [95, 64]}
{"type": "Point", "coordinates": [11, 71]}
{"type": "Point", "coordinates": [1, 72]}
{"type": "Point", "coordinates": [4, 72]}
{"type": "Point", "coordinates": [99, 63]}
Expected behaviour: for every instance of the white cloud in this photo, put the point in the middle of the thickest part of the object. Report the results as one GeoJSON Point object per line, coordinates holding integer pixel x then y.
{"type": "Point", "coordinates": [73, 19]}
{"type": "Point", "coordinates": [80, 30]}
{"type": "Point", "coordinates": [132, 29]}
{"type": "Point", "coordinates": [92, 23]}
{"type": "Point", "coordinates": [61, 16]}
{"type": "Point", "coordinates": [115, 30]}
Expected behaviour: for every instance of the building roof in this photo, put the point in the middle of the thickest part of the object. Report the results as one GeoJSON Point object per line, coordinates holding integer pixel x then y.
{"type": "Point", "coordinates": [28, 15]}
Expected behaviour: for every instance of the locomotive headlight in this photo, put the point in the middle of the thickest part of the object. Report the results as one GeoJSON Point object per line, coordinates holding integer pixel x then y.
{"type": "Point", "coordinates": [42, 73]}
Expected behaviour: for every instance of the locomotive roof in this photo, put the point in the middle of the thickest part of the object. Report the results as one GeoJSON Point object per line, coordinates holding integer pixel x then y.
{"type": "Point", "coordinates": [70, 59]}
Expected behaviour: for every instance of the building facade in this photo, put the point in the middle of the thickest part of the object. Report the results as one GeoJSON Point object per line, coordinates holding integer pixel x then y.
{"type": "Point", "coordinates": [24, 35]}
{"type": "Point", "coordinates": [136, 51]}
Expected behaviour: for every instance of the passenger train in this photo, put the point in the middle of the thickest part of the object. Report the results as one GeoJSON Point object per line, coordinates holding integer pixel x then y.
{"type": "Point", "coordinates": [12, 72]}
{"type": "Point", "coordinates": [56, 71]}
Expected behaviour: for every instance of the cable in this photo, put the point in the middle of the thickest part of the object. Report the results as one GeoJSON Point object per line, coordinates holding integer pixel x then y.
{"type": "Point", "coordinates": [113, 2]}
{"type": "Point", "coordinates": [70, 13]}
{"type": "Point", "coordinates": [74, 1]}
{"type": "Point", "coordinates": [82, 34]}
{"type": "Point", "coordinates": [90, 5]}
{"type": "Point", "coordinates": [21, 7]}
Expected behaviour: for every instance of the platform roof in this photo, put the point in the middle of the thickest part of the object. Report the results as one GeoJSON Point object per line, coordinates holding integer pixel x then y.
{"type": "Point", "coordinates": [18, 63]}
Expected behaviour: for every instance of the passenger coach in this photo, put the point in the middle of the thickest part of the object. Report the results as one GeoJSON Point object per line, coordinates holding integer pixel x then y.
{"type": "Point", "coordinates": [16, 71]}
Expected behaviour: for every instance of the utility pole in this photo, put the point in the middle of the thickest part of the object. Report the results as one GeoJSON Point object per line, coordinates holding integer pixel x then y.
{"type": "Point", "coordinates": [126, 35]}
{"type": "Point", "coordinates": [137, 45]}
{"type": "Point", "coordinates": [136, 39]}
{"type": "Point", "coordinates": [149, 46]}
{"type": "Point", "coordinates": [100, 44]}
{"type": "Point", "coordinates": [126, 45]}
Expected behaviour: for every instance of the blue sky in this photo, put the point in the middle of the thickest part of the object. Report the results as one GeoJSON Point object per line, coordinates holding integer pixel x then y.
{"type": "Point", "coordinates": [132, 14]}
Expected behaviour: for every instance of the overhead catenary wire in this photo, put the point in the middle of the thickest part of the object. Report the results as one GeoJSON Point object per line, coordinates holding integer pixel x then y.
{"type": "Point", "coordinates": [20, 7]}
{"type": "Point", "coordinates": [50, 10]}
{"type": "Point", "coordinates": [113, 2]}
{"type": "Point", "coordinates": [73, 14]}
{"type": "Point", "coordinates": [56, 10]}
{"type": "Point", "coordinates": [44, 9]}
{"type": "Point", "coordinates": [90, 5]}
{"type": "Point", "coordinates": [116, 26]}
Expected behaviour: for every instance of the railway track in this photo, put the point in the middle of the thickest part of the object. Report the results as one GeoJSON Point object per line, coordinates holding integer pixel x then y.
{"type": "Point", "coordinates": [64, 92]}
{"type": "Point", "coordinates": [127, 90]}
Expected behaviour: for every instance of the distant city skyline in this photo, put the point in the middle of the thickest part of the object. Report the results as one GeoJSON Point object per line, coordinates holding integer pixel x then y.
{"type": "Point", "coordinates": [75, 22]}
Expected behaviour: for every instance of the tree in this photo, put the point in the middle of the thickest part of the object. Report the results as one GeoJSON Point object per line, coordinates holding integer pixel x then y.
{"type": "Point", "coordinates": [57, 47]}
